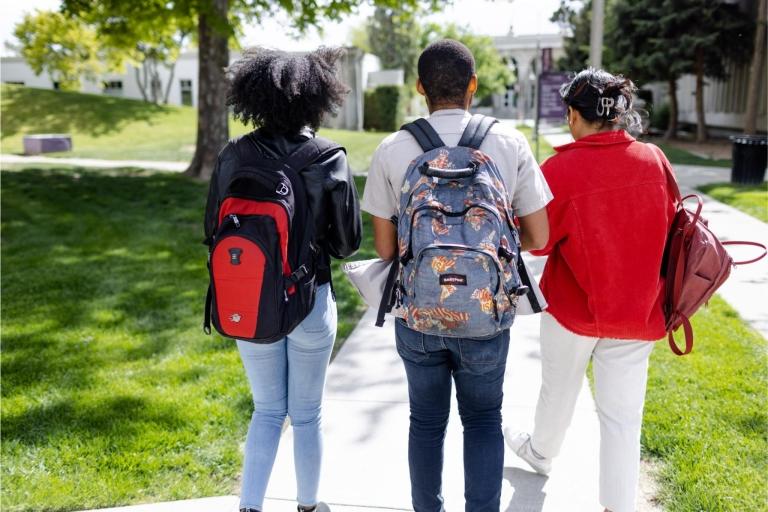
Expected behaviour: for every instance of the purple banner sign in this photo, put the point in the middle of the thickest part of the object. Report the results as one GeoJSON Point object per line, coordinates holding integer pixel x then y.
{"type": "Point", "coordinates": [551, 106]}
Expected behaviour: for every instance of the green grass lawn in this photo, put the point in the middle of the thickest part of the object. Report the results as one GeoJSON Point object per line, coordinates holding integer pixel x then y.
{"type": "Point", "coordinates": [706, 417]}
{"type": "Point", "coordinates": [545, 148]}
{"type": "Point", "coordinates": [121, 129]}
{"type": "Point", "coordinates": [751, 199]}
{"type": "Point", "coordinates": [111, 393]}
{"type": "Point", "coordinates": [681, 156]}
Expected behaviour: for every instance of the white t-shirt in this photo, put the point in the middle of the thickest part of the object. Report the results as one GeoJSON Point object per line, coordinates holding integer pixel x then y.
{"type": "Point", "coordinates": [507, 147]}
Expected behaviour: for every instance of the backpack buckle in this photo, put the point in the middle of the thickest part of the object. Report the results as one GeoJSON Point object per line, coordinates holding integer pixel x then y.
{"type": "Point", "coordinates": [299, 274]}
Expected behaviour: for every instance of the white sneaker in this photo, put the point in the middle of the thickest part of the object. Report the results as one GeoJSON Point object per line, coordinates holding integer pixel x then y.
{"type": "Point", "coordinates": [520, 442]}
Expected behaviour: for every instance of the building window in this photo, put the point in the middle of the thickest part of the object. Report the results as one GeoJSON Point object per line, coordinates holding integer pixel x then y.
{"type": "Point", "coordinates": [56, 86]}
{"type": "Point", "coordinates": [113, 87]}
{"type": "Point", "coordinates": [186, 92]}
{"type": "Point", "coordinates": [10, 82]}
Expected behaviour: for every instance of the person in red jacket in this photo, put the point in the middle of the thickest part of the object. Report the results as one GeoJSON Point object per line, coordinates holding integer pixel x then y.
{"type": "Point", "coordinates": [608, 226]}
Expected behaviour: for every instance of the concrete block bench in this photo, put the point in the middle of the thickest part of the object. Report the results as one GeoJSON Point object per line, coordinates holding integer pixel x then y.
{"type": "Point", "coordinates": [47, 143]}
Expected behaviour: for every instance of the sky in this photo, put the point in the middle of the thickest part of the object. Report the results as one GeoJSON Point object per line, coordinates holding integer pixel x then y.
{"type": "Point", "coordinates": [482, 16]}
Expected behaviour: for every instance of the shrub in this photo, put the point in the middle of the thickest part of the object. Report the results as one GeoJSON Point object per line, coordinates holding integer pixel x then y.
{"type": "Point", "coordinates": [660, 116]}
{"type": "Point", "coordinates": [384, 108]}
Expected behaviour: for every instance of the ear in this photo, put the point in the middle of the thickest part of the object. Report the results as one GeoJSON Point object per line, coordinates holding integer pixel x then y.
{"type": "Point", "coordinates": [574, 116]}
{"type": "Point", "coordinates": [420, 87]}
{"type": "Point", "coordinates": [472, 87]}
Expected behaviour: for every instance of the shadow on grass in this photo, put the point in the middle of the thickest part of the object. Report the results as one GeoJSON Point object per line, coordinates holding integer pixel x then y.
{"type": "Point", "coordinates": [95, 270]}
{"type": "Point", "coordinates": [126, 415]}
{"type": "Point", "coordinates": [40, 111]}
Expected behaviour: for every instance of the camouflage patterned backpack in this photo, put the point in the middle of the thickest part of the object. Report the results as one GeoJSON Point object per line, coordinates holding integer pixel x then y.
{"type": "Point", "coordinates": [459, 250]}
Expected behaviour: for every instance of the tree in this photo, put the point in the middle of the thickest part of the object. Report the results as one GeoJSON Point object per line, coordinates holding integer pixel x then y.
{"type": "Point", "coordinates": [216, 22]}
{"type": "Point", "coordinates": [575, 18]}
{"type": "Point", "coordinates": [150, 58]}
{"type": "Point", "coordinates": [493, 73]}
{"type": "Point", "coordinates": [756, 72]}
{"type": "Point", "coordinates": [67, 49]}
{"type": "Point", "coordinates": [646, 49]}
{"type": "Point", "coordinates": [394, 36]}
{"type": "Point", "coordinates": [715, 33]}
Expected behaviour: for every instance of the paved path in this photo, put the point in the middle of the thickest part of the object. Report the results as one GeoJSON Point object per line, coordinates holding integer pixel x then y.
{"type": "Point", "coordinates": [95, 162]}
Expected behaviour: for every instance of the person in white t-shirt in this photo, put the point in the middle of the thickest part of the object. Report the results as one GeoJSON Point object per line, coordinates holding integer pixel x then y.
{"type": "Point", "coordinates": [448, 81]}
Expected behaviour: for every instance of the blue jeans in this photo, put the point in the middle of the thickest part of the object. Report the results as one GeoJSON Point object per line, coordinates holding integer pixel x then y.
{"type": "Point", "coordinates": [477, 367]}
{"type": "Point", "coordinates": [287, 378]}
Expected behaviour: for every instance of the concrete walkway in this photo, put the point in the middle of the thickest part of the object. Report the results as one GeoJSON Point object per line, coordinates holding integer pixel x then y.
{"type": "Point", "coordinates": [95, 162]}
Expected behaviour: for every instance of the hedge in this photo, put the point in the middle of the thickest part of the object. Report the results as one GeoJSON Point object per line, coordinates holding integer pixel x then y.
{"type": "Point", "coordinates": [384, 108]}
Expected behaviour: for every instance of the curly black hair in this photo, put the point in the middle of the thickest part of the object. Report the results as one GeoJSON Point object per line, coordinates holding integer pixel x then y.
{"type": "Point", "coordinates": [283, 92]}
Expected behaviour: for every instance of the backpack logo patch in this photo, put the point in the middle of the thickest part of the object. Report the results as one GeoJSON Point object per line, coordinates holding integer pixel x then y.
{"type": "Point", "coordinates": [282, 189]}
{"type": "Point", "coordinates": [234, 255]}
{"type": "Point", "coordinates": [453, 279]}
{"type": "Point", "coordinates": [234, 317]}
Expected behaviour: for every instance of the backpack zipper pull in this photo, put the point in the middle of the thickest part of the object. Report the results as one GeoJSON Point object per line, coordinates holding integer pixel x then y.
{"type": "Point", "coordinates": [235, 220]}
{"type": "Point", "coordinates": [285, 295]}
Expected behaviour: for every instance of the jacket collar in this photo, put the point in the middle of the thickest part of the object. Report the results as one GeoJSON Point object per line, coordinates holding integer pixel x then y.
{"type": "Point", "coordinates": [598, 139]}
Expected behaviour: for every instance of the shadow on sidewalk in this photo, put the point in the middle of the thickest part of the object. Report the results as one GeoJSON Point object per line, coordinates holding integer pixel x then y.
{"type": "Point", "coordinates": [528, 490]}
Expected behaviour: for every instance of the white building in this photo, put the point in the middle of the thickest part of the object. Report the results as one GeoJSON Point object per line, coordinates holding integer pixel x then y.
{"type": "Point", "coordinates": [183, 86]}
{"type": "Point", "coordinates": [182, 82]}
{"type": "Point", "coordinates": [526, 55]}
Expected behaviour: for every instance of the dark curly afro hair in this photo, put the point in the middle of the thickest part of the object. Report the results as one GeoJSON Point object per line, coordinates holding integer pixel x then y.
{"type": "Point", "coordinates": [283, 92]}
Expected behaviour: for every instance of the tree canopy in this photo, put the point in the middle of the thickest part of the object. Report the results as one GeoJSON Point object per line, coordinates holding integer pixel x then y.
{"type": "Point", "coordinates": [394, 36]}
{"type": "Point", "coordinates": [129, 23]}
{"type": "Point", "coordinates": [65, 48]}
{"type": "Point", "coordinates": [652, 40]}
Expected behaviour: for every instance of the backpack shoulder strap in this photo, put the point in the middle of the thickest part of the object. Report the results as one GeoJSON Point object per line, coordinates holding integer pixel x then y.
{"type": "Point", "coordinates": [476, 130]}
{"type": "Point", "coordinates": [424, 134]}
{"type": "Point", "coordinates": [309, 152]}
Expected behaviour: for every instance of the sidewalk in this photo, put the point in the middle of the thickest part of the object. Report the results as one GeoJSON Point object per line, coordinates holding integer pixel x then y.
{"type": "Point", "coordinates": [95, 162]}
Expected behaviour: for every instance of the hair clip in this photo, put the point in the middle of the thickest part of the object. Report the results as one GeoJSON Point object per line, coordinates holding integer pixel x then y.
{"type": "Point", "coordinates": [604, 106]}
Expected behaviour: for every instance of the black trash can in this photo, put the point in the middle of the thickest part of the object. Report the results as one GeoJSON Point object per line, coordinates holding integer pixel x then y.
{"type": "Point", "coordinates": [750, 158]}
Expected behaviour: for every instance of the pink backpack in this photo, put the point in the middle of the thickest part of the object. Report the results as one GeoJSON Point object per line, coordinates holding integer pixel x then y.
{"type": "Point", "coordinates": [695, 264]}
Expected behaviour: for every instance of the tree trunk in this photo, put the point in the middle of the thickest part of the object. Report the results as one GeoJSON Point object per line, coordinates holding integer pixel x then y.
{"type": "Point", "coordinates": [141, 87]}
{"type": "Point", "coordinates": [701, 121]}
{"type": "Point", "coordinates": [212, 114]}
{"type": "Point", "coordinates": [172, 71]}
{"type": "Point", "coordinates": [672, 123]}
{"type": "Point", "coordinates": [756, 70]}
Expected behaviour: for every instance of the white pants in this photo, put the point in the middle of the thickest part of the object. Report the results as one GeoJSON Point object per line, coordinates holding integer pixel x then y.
{"type": "Point", "coordinates": [620, 369]}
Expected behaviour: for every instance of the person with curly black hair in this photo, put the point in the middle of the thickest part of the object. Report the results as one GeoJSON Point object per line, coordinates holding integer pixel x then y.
{"type": "Point", "coordinates": [285, 97]}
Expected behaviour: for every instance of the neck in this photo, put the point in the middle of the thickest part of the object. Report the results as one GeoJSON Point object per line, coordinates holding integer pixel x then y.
{"type": "Point", "coordinates": [434, 107]}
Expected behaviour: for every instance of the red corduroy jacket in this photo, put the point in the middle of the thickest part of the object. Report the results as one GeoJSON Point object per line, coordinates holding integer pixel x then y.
{"type": "Point", "coordinates": [608, 226]}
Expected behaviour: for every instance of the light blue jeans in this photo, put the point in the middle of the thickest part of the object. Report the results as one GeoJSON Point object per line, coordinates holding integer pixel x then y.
{"type": "Point", "coordinates": [287, 378]}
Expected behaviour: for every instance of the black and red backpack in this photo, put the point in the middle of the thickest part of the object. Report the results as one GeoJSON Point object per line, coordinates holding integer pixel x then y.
{"type": "Point", "coordinates": [262, 256]}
